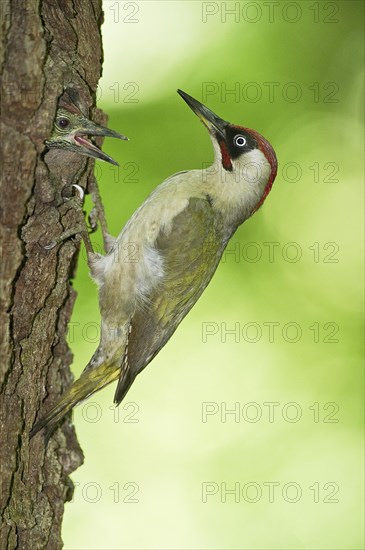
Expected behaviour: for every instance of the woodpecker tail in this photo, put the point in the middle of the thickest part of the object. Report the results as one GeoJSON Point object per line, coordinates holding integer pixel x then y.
{"type": "Point", "coordinates": [90, 381]}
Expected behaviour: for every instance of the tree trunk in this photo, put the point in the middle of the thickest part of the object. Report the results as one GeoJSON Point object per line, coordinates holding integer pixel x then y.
{"type": "Point", "coordinates": [49, 46]}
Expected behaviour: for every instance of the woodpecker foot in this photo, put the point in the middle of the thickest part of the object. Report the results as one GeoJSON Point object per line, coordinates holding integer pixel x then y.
{"type": "Point", "coordinates": [64, 237]}
{"type": "Point", "coordinates": [79, 232]}
{"type": "Point", "coordinates": [80, 228]}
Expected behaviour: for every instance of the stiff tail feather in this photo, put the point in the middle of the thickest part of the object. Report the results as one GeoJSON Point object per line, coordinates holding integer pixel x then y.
{"type": "Point", "coordinates": [90, 381]}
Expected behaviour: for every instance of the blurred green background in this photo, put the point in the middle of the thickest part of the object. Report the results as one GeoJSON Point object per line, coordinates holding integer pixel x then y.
{"type": "Point", "coordinates": [171, 468]}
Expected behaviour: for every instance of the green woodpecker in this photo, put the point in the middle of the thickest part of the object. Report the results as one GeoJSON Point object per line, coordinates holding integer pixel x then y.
{"type": "Point", "coordinates": [167, 254]}
{"type": "Point", "coordinates": [71, 129]}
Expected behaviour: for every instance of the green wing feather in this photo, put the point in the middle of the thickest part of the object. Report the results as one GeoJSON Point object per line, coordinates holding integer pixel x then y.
{"type": "Point", "coordinates": [191, 251]}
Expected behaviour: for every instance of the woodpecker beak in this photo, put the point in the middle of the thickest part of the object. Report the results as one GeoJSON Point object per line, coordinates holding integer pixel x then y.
{"type": "Point", "coordinates": [86, 147]}
{"type": "Point", "coordinates": [214, 123]}
{"type": "Point", "coordinates": [71, 131]}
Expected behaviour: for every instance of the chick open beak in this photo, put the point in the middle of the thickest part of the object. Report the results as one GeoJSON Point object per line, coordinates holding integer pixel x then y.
{"type": "Point", "coordinates": [86, 147]}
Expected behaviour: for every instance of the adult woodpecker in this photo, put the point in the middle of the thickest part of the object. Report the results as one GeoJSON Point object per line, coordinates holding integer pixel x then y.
{"type": "Point", "coordinates": [166, 255]}
{"type": "Point", "coordinates": [70, 131]}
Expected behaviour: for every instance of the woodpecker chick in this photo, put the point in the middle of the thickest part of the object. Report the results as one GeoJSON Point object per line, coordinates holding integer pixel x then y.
{"type": "Point", "coordinates": [70, 132]}
{"type": "Point", "coordinates": [167, 254]}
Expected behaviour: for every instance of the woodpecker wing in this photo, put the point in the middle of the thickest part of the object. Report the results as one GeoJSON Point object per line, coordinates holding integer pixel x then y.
{"type": "Point", "coordinates": [191, 252]}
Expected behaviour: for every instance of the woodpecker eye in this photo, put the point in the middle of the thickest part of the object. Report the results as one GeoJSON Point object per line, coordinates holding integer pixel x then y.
{"type": "Point", "coordinates": [63, 122]}
{"type": "Point", "coordinates": [239, 141]}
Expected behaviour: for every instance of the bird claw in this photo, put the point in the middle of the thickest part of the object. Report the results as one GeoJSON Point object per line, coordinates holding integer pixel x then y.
{"type": "Point", "coordinates": [72, 233]}
{"type": "Point", "coordinates": [50, 245]}
{"type": "Point", "coordinates": [80, 190]}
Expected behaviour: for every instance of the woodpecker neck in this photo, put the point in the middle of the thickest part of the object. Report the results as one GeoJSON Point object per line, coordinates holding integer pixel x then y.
{"type": "Point", "coordinates": [266, 148]}
{"type": "Point", "coordinates": [241, 190]}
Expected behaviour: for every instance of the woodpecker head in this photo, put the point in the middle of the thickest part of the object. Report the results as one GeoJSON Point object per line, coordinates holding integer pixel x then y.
{"type": "Point", "coordinates": [241, 154]}
{"type": "Point", "coordinates": [71, 130]}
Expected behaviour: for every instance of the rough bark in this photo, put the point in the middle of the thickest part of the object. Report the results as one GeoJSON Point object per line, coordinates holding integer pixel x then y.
{"type": "Point", "coordinates": [48, 46]}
